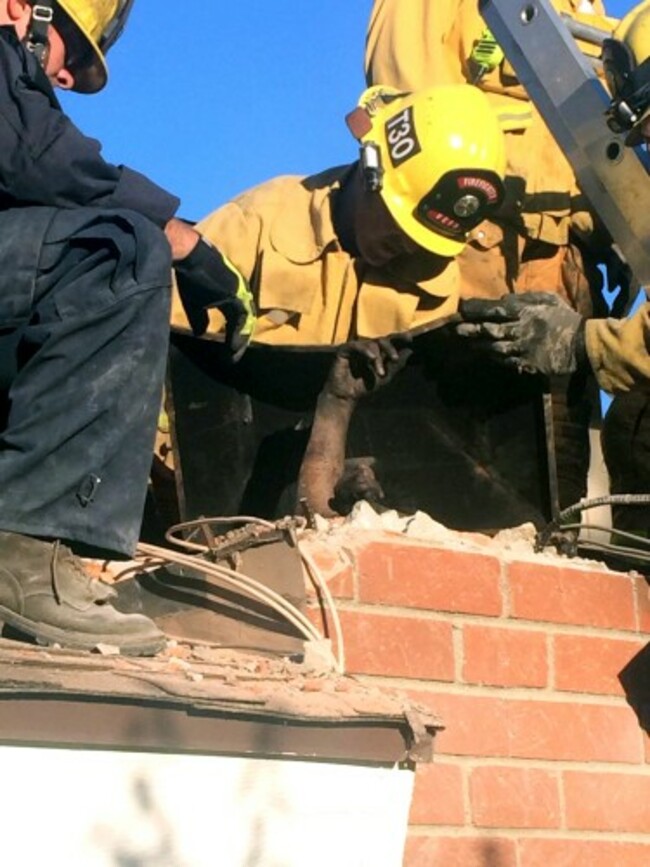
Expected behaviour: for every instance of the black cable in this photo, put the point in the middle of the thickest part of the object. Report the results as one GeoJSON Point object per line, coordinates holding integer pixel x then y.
{"type": "Point", "coordinates": [564, 523]}
{"type": "Point", "coordinates": [622, 534]}
{"type": "Point", "coordinates": [609, 500]}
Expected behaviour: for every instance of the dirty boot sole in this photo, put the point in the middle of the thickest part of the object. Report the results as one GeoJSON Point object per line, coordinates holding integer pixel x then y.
{"type": "Point", "coordinates": [46, 635]}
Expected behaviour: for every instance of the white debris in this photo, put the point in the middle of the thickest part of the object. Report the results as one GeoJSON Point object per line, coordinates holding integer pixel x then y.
{"type": "Point", "coordinates": [417, 526]}
{"type": "Point", "coordinates": [107, 649]}
{"type": "Point", "coordinates": [363, 517]}
{"type": "Point", "coordinates": [513, 543]}
{"type": "Point", "coordinates": [422, 526]}
{"type": "Point", "coordinates": [318, 657]}
{"type": "Point", "coordinates": [517, 540]}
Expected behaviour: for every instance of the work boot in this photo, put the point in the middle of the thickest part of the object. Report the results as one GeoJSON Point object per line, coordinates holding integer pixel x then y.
{"type": "Point", "coordinates": [45, 593]}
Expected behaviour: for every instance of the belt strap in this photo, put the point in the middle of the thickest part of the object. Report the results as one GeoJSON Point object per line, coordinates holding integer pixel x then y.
{"type": "Point", "coordinates": [37, 38]}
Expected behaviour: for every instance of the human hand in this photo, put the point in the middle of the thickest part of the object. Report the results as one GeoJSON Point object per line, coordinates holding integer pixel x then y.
{"type": "Point", "coordinates": [207, 279]}
{"type": "Point", "coordinates": [362, 366]}
{"type": "Point", "coordinates": [534, 333]}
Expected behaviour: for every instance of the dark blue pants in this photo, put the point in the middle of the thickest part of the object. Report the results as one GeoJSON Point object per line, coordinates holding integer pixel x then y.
{"type": "Point", "coordinates": [84, 321]}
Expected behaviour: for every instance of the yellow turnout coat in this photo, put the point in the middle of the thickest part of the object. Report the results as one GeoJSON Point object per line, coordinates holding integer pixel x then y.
{"type": "Point", "coordinates": [308, 290]}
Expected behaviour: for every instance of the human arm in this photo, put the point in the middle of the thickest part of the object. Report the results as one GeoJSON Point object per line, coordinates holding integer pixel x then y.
{"type": "Point", "coordinates": [359, 368]}
{"type": "Point", "coordinates": [533, 333]}
{"type": "Point", "coordinates": [536, 332]}
{"type": "Point", "coordinates": [206, 279]}
{"type": "Point", "coordinates": [619, 351]}
{"type": "Point", "coordinates": [46, 160]}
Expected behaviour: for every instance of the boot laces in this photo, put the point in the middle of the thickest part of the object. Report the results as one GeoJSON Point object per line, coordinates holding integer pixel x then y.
{"type": "Point", "coordinates": [75, 568]}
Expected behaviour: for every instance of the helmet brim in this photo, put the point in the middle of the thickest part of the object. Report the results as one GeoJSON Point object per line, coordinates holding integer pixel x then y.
{"type": "Point", "coordinates": [426, 238]}
{"type": "Point", "coordinates": [92, 76]}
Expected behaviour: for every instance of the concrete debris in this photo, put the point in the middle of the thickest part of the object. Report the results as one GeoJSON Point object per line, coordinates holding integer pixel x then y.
{"type": "Point", "coordinates": [176, 650]}
{"type": "Point", "coordinates": [416, 526]}
{"type": "Point", "coordinates": [511, 543]}
{"type": "Point", "coordinates": [107, 649]}
{"type": "Point", "coordinates": [419, 525]}
{"type": "Point", "coordinates": [228, 682]}
{"type": "Point", "coordinates": [318, 656]}
{"type": "Point", "coordinates": [312, 685]}
{"type": "Point", "coordinates": [517, 540]}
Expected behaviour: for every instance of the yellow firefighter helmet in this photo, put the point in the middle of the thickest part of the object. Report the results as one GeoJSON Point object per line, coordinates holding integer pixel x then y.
{"type": "Point", "coordinates": [97, 25]}
{"type": "Point", "coordinates": [626, 60]}
{"type": "Point", "coordinates": [436, 157]}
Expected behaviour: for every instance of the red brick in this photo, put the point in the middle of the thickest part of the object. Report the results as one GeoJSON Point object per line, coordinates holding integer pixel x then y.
{"type": "Point", "coordinates": [582, 853]}
{"type": "Point", "coordinates": [438, 796]}
{"type": "Point", "coordinates": [514, 798]}
{"type": "Point", "coordinates": [428, 851]}
{"type": "Point", "coordinates": [504, 657]}
{"type": "Point", "coordinates": [643, 602]}
{"type": "Point", "coordinates": [426, 577]}
{"type": "Point", "coordinates": [607, 802]}
{"type": "Point", "coordinates": [397, 646]}
{"type": "Point", "coordinates": [335, 569]}
{"type": "Point", "coordinates": [314, 613]}
{"type": "Point", "coordinates": [571, 595]}
{"type": "Point", "coordinates": [484, 726]}
{"type": "Point", "coordinates": [586, 664]}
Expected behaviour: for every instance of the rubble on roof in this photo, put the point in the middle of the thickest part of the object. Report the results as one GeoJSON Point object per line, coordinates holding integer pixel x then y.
{"type": "Point", "coordinates": [214, 678]}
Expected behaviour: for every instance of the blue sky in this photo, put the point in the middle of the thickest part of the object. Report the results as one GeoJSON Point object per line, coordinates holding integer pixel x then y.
{"type": "Point", "coordinates": [214, 100]}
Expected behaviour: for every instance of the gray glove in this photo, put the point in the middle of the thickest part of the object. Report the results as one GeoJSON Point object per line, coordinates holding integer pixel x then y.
{"type": "Point", "coordinates": [534, 333]}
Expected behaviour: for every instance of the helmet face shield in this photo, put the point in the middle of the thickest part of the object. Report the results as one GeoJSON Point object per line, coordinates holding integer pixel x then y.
{"type": "Point", "coordinates": [460, 201]}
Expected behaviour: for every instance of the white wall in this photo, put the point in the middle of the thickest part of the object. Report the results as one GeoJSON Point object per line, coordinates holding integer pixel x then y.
{"type": "Point", "coordinates": [63, 808]}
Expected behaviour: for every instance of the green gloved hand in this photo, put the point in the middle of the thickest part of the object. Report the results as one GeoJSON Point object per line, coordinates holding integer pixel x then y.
{"type": "Point", "coordinates": [535, 333]}
{"type": "Point", "coordinates": [207, 279]}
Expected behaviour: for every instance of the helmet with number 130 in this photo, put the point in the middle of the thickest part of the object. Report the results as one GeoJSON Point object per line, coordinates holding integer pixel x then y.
{"type": "Point", "coordinates": [436, 157]}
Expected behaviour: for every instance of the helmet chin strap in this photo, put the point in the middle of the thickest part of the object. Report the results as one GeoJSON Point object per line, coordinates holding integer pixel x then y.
{"type": "Point", "coordinates": [36, 39]}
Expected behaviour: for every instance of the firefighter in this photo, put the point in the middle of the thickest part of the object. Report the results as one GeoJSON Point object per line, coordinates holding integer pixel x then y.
{"type": "Point", "coordinates": [86, 249]}
{"type": "Point", "coordinates": [544, 238]}
{"type": "Point", "coordinates": [536, 243]}
{"type": "Point", "coordinates": [364, 250]}
{"type": "Point", "coordinates": [540, 333]}
{"type": "Point", "coordinates": [546, 336]}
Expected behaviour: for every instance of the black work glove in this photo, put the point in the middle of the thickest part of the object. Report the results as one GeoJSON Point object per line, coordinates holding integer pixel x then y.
{"type": "Point", "coordinates": [534, 333]}
{"type": "Point", "coordinates": [207, 279]}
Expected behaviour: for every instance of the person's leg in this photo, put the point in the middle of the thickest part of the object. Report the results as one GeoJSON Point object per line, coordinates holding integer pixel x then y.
{"type": "Point", "coordinates": [76, 451]}
{"type": "Point", "coordinates": [76, 447]}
